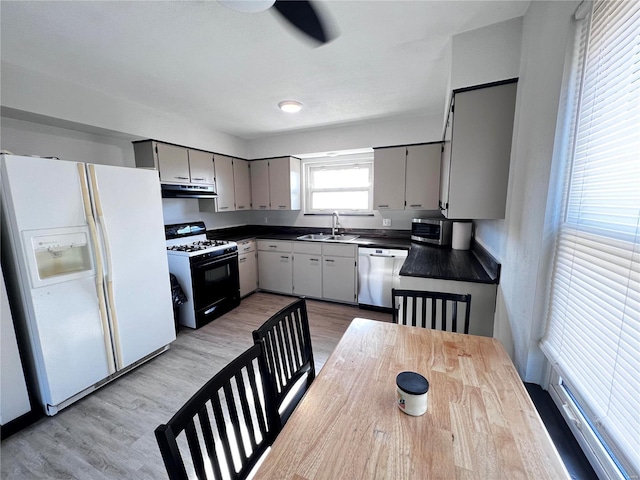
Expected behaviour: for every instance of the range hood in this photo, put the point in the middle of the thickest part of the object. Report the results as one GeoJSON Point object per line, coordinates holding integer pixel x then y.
{"type": "Point", "coordinates": [188, 191]}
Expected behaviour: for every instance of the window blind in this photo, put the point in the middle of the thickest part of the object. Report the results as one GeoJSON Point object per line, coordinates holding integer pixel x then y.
{"type": "Point", "coordinates": [593, 324]}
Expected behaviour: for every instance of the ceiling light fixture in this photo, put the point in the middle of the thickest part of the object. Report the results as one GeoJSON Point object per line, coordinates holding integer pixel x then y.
{"type": "Point", "coordinates": [290, 106]}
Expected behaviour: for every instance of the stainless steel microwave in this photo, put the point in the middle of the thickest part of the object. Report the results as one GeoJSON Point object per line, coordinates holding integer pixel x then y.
{"type": "Point", "coordinates": [435, 231]}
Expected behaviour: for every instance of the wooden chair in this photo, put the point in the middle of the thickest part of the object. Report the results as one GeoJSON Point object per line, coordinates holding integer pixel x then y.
{"type": "Point", "coordinates": [434, 310]}
{"type": "Point", "coordinates": [287, 345]}
{"type": "Point", "coordinates": [226, 426]}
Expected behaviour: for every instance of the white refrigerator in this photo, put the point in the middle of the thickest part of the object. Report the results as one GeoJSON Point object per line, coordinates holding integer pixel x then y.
{"type": "Point", "coordinates": [84, 256]}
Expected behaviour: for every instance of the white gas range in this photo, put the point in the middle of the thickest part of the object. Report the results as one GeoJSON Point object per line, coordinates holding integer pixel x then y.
{"type": "Point", "coordinates": [207, 271]}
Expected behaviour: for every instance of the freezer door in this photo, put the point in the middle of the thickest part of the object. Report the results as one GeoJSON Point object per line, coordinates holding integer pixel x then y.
{"type": "Point", "coordinates": [128, 210]}
{"type": "Point", "coordinates": [50, 243]}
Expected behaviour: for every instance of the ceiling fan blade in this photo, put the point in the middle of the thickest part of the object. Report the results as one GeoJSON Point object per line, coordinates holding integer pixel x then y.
{"type": "Point", "coordinates": [304, 17]}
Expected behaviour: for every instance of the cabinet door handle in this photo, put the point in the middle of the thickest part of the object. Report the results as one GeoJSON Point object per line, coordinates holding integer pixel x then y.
{"type": "Point", "coordinates": [282, 206]}
{"type": "Point", "coordinates": [240, 207]}
{"type": "Point", "coordinates": [242, 260]}
{"type": "Point", "coordinates": [285, 257]}
{"type": "Point", "coordinates": [416, 206]}
{"type": "Point", "coordinates": [182, 178]}
{"type": "Point", "coordinates": [273, 246]}
{"type": "Point", "coordinates": [315, 260]}
{"type": "Point", "coordinates": [222, 208]}
{"type": "Point", "coordinates": [383, 206]}
{"type": "Point", "coordinates": [262, 206]}
{"type": "Point", "coordinates": [329, 260]}
{"type": "Point", "coordinates": [195, 178]}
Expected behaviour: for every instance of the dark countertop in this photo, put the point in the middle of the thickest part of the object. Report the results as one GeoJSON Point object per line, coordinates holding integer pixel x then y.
{"type": "Point", "coordinates": [448, 264]}
{"type": "Point", "coordinates": [366, 238]}
{"type": "Point", "coordinates": [475, 265]}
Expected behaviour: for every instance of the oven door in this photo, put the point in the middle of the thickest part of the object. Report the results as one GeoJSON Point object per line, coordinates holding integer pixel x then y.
{"type": "Point", "coordinates": [216, 286]}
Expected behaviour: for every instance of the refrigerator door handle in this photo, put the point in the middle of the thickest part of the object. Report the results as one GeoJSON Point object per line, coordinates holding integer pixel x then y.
{"type": "Point", "coordinates": [107, 251]}
{"type": "Point", "coordinates": [99, 269]}
{"type": "Point", "coordinates": [116, 333]}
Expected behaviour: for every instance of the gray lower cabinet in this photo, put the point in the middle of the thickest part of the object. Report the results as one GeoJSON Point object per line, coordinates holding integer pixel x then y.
{"type": "Point", "coordinates": [307, 275]}
{"type": "Point", "coordinates": [307, 269]}
{"type": "Point", "coordinates": [317, 270]}
{"type": "Point", "coordinates": [275, 266]}
{"type": "Point", "coordinates": [247, 267]}
{"type": "Point", "coordinates": [339, 267]}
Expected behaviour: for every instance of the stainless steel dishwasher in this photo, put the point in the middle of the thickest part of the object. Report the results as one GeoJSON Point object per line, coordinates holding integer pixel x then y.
{"type": "Point", "coordinates": [378, 273]}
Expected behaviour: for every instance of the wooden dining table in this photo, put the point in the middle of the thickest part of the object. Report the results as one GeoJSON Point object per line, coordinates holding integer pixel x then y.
{"type": "Point", "coordinates": [480, 422]}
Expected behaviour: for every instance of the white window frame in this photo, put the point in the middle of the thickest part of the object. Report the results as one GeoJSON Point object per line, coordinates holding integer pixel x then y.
{"type": "Point", "coordinates": [362, 159]}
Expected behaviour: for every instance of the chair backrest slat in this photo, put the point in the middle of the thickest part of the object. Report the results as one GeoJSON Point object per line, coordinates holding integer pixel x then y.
{"type": "Point", "coordinates": [222, 433]}
{"type": "Point", "coordinates": [434, 304]}
{"type": "Point", "coordinates": [407, 303]}
{"type": "Point", "coordinates": [196, 451]}
{"type": "Point", "coordinates": [235, 419]}
{"type": "Point", "coordinates": [207, 435]}
{"type": "Point", "coordinates": [287, 339]}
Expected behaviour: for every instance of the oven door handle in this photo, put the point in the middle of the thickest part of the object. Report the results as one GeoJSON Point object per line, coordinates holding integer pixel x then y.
{"type": "Point", "coordinates": [212, 261]}
{"type": "Point", "coordinates": [213, 306]}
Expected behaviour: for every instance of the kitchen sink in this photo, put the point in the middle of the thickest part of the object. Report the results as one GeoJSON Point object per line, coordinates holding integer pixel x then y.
{"type": "Point", "coordinates": [315, 236]}
{"type": "Point", "coordinates": [342, 238]}
{"type": "Point", "coordinates": [323, 237]}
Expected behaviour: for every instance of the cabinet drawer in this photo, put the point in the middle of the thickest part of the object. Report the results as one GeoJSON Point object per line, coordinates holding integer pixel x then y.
{"type": "Point", "coordinates": [339, 250]}
{"type": "Point", "coordinates": [306, 247]}
{"type": "Point", "coordinates": [245, 246]}
{"type": "Point", "coordinates": [274, 246]}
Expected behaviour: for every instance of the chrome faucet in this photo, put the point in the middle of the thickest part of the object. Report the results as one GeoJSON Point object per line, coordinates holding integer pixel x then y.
{"type": "Point", "coordinates": [335, 222]}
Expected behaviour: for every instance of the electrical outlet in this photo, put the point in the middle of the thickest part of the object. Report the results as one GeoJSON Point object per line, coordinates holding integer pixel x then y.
{"type": "Point", "coordinates": [386, 222]}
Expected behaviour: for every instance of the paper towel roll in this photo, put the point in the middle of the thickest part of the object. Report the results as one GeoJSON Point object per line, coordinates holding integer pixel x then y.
{"type": "Point", "coordinates": [461, 235]}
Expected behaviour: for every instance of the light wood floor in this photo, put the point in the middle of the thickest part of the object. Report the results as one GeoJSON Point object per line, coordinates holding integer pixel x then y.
{"type": "Point", "coordinates": [109, 434]}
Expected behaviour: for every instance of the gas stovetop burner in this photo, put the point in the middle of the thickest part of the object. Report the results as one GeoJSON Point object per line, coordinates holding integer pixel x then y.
{"type": "Point", "coordinates": [197, 246]}
{"type": "Point", "coordinates": [190, 240]}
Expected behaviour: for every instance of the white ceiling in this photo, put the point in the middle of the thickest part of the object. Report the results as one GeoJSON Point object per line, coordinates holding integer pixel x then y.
{"type": "Point", "coordinates": [229, 70]}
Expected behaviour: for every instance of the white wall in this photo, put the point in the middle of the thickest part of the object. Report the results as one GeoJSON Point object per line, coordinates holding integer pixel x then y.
{"type": "Point", "coordinates": [400, 220]}
{"type": "Point", "coordinates": [29, 91]}
{"type": "Point", "coordinates": [518, 241]}
{"type": "Point", "coordinates": [376, 134]}
{"type": "Point", "coordinates": [486, 54]}
{"type": "Point", "coordinates": [27, 138]}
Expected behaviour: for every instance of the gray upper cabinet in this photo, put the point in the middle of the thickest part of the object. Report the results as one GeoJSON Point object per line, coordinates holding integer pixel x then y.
{"type": "Point", "coordinates": [201, 167]}
{"type": "Point", "coordinates": [422, 190]}
{"type": "Point", "coordinates": [242, 184]}
{"type": "Point", "coordinates": [407, 177]}
{"type": "Point", "coordinates": [275, 184]}
{"type": "Point", "coordinates": [284, 183]}
{"type": "Point", "coordinates": [232, 186]}
{"type": "Point", "coordinates": [175, 164]}
{"type": "Point", "coordinates": [477, 152]}
{"type": "Point", "coordinates": [224, 176]}
{"type": "Point", "coordinates": [260, 184]}
{"type": "Point", "coordinates": [388, 178]}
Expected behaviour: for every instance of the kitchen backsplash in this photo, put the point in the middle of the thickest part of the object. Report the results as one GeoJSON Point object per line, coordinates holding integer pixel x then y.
{"type": "Point", "coordinates": [180, 210]}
